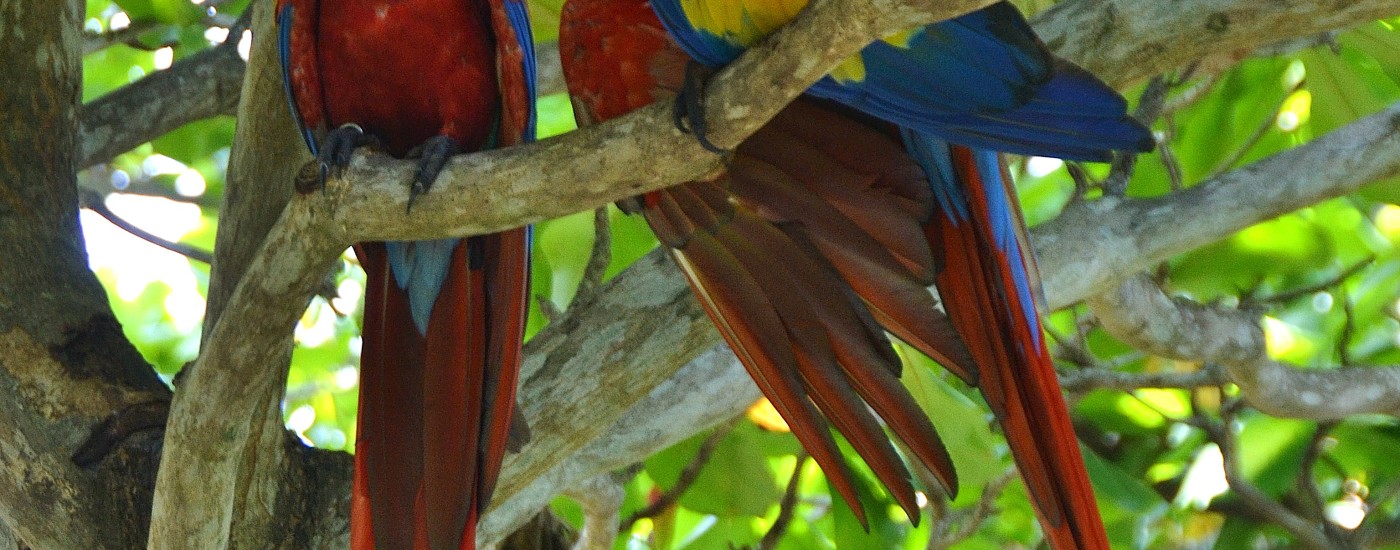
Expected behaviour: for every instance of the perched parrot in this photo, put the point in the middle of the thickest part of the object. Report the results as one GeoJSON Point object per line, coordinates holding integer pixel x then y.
{"type": "Point", "coordinates": [443, 319]}
{"type": "Point", "coordinates": [831, 220]}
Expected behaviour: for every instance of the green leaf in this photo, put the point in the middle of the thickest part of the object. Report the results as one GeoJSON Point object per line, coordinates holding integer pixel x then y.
{"type": "Point", "coordinates": [883, 533]}
{"type": "Point", "coordinates": [1112, 484]}
{"type": "Point", "coordinates": [735, 482]}
{"type": "Point", "coordinates": [961, 423]}
{"type": "Point", "coordinates": [177, 12]}
{"type": "Point", "coordinates": [1271, 450]}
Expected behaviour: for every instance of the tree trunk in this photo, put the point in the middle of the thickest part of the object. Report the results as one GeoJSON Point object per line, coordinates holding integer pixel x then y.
{"type": "Point", "coordinates": [65, 364]}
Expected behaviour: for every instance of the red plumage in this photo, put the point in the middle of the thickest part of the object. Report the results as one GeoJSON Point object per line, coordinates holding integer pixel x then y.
{"type": "Point", "coordinates": [1017, 374]}
{"type": "Point", "coordinates": [795, 251]}
{"type": "Point", "coordinates": [436, 402]}
{"type": "Point", "coordinates": [823, 231]}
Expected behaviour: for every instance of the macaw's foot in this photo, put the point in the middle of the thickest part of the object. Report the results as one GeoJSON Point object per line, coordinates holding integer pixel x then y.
{"type": "Point", "coordinates": [688, 113]}
{"type": "Point", "coordinates": [334, 153]}
{"type": "Point", "coordinates": [432, 157]}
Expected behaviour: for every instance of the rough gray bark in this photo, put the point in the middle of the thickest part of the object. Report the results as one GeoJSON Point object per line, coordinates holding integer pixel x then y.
{"type": "Point", "coordinates": [64, 362]}
{"type": "Point", "coordinates": [1141, 314]}
{"type": "Point", "coordinates": [201, 86]}
{"type": "Point", "coordinates": [1125, 41]}
{"type": "Point", "coordinates": [1090, 245]}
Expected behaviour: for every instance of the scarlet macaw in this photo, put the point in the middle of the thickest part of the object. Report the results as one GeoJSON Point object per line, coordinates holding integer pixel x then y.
{"type": "Point", "coordinates": [882, 177]}
{"type": "Point", "coordinates": [443, 319]}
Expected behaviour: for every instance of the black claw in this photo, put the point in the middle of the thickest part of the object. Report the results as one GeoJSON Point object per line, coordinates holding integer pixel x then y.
{"type": "Point", "coordinates": [433, 156]}
{"type": "Point", "coordinates": [337, 147]}
{"type": "Point", "coordinates": [688, 112]}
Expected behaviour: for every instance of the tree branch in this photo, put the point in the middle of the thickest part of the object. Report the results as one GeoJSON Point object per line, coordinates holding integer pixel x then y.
{"type": "Point", "coordinates": [1093, 244]}
{"type": "Point", "coordinates": [1072, 260]}
{"type": "Point", "coordinates": [601, 498]}
{"type": "Point", "coordinates": [710, 389]}
{"type": "Point", "coordinates": [64, 363]}
{"type": "Point", "coordinates": [1142, 315]}
{"type": "Point", "coordinates": [1129, 42]}
{"type": "Point", "coordinates": [201, 86]}
{"type": "Point", "coordinates": [246, 351]}
{"type": "Point", "coordinates": [1125, 41]}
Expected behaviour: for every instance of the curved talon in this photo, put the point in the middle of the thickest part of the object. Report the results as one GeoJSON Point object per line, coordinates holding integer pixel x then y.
{"type": "Point", "coordinates": [433, 155]}
{"type": "Point", "coordinates": [688, 111]}
{"type": "Point", "coordinates": [336, 149]}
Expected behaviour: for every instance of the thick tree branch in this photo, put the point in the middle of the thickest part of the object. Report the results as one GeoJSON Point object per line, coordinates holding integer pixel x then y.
{"type": "Point", "coordinates": [260, 460]}
{"type": "Point", "coordinates": [1131, 41]}
{"type": "Point", "coordinates": [1142, 315]}
{"type": "Point", "coordinates": [1093, 244]}
{"type": "Point", "coordinates": [1125, 41]}
{"type": "Point", "coordinates": [1251, 190]}
{"type": "Point", "coordinates": [195, 88]}
{"type": "Point", "coordinates": [1145, 317]}
{"type": "Point", "coordinates": [710, 389]}
{"type": "Point", "coordinates": [64, 363]}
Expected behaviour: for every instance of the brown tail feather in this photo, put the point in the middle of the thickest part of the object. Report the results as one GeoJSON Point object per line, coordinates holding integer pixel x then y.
{"type": "Point", "coordinates": [746, 319]}
{"type": "Point", "coordinates": [814, 316]}
{"type": "Point", "coordinates": [794, 169]}
{"type": "Point", "coordinates": [800, 331]}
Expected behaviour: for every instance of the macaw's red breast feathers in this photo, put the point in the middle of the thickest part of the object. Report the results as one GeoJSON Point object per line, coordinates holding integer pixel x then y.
{"type": "Point", "coordinates": [616, 58]}
{"type": "Point", "coordinates": [444, 319]}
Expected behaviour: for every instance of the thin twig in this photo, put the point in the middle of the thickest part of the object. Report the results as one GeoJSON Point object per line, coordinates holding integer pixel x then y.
{"type": "Point", "coordinates": [945, 535]}
{"type": "Point", "coordinates": [98, 41]}
{"type": "Point", "coordinates": [1082, 182]}
{"type": "Point", "coordinates": [550, 311]}
{"type": "Point", "coordinates": [1220, 433]}
{"type": "Point", "coordinates": [1087, 379]}
{"type": "Point", "coordinates": [94, 201]}
{"type": "Point", "coordinates": [786, 507]}
{"type": "Point", "coordinates": [601, 497]}
{"type": "Point", "coordinates": [598, 259]}
{"type": "Point", "coordinates": [1149, 107]}
{"type": "Point", "coordinates": [1167, 154]}
{"type": "Point", "coordinates": [1328, 284]}
{"type": "Point", "coordinates": [688, 475]}
{"type": "Point", "coordinates": [1348, 329]}
{"type": "Point", "coordinates": [1314, 503]}
{"type": "Point", "coordinates": [1190, 96]}
{"type": "Point", "coordinates": [1259, 133]}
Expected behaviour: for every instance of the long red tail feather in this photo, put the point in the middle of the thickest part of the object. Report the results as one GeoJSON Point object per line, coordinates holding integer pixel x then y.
{"type": "Point", "coordinates": [1016, 374]}
{"type": "Point", "coordinates": [436, 410]}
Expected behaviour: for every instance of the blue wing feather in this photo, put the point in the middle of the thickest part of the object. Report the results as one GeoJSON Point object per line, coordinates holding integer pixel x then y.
{"type": "Point", "coordinates": [981, 80]}
{"type": "Point", "coordinates": [284, 54]}
{"type": "Point", "coordinates": [519, 18]}
{"type": "Point", "coordinates": [952, 192]}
